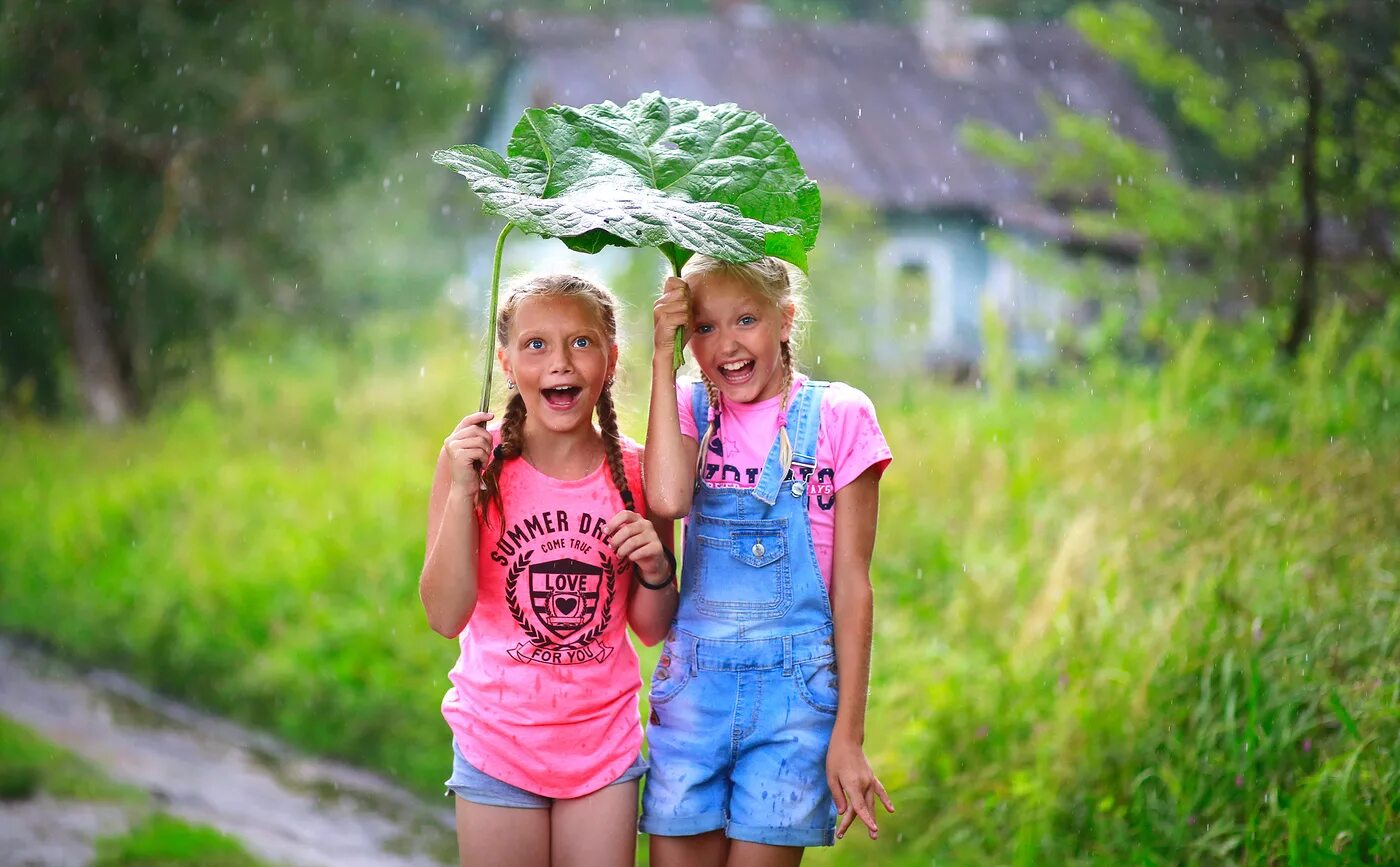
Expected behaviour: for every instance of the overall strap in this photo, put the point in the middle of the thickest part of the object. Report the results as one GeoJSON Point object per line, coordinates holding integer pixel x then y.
{"type": "Point", "coordinates": [700, 406]}
{"type": "Point", "coordinates": [797, 427]}
{"type": "Point", "coordinates": [804, 420]}
{"type": "Point", "coordinates": [700, 412]}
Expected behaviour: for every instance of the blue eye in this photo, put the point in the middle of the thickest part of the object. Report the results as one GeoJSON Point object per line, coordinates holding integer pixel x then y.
{"type": "Point", "coordinates": [747, 320]}
{"type": "Point", "coordinates": [534, 343]}
{"type": "Point", "coordinates": [704, 329]}
{"type": "Point", "coordinates": [582, 343]}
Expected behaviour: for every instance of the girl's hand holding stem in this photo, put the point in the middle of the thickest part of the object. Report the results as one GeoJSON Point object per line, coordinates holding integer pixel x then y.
{"type": "Point", "coordinates": [671, 314]}
{"type": "Point", "coordinates": [468, 448]}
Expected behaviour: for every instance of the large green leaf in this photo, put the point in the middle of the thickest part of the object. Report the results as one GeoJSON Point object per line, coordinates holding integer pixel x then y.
{"type": "Point", "coordinates": [671, 173]}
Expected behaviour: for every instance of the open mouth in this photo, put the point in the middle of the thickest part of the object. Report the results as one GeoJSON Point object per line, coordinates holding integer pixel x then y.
{"type": "Point", "coordinates": [562, 398]}
{"type": "Point", "coordinates": [737, 372]}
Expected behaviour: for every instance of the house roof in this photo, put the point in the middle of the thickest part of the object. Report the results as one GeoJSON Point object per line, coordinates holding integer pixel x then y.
{"type": "Point", "coordinates": [870, 110]}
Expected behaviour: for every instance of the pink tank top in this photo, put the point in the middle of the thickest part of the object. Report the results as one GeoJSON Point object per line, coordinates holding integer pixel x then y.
{"type": "Point", "coordinates": [544, 693]}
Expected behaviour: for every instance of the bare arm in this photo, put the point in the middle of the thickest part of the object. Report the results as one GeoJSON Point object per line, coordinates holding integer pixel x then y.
{"type": "Point", "coordinates": [853, 783]}
{"type": "Point", "coordinates": [447, 584]}
{"type": "Point", "coordinates": [670, 455]}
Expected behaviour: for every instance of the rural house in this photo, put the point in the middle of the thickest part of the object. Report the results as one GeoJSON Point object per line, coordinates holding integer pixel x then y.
{"type": "Point", "coordinates": [873, 111]}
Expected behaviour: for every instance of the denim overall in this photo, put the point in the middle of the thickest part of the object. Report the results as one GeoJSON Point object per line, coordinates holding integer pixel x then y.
{"type": "Point", "coordinates": [744, 696]}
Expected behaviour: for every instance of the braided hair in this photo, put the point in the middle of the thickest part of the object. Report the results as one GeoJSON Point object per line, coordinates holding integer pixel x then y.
{"type": "Point", "coordinates": [778, 283]}
{"type": "Point", "coordinates": [512, 443]}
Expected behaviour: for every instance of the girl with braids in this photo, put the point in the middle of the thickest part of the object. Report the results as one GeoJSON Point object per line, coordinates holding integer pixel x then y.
{"type": "Point", "coordinates": [537, 564]}
{"type": "Point", "coordinates": [758, 700]}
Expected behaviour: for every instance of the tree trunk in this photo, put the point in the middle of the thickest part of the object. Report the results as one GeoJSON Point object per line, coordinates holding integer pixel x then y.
{"type": "Point", "coordinates": [85, 308]}
{"type": "Point", "coordinates": [1305, 302]}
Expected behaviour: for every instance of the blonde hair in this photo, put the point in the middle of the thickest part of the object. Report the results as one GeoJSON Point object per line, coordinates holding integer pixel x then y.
{"type": "Point", "coordinates": [512, 443]}
{"type": "Point", "coordinates": [782, 285]}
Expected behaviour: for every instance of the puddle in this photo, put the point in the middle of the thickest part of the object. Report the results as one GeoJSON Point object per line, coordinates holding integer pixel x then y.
{"type": "Point", "coordinates": [285, 807]}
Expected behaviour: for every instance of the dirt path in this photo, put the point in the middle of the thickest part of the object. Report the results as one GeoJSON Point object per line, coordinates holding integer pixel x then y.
{"type": "Point", "coordinates": [285, 808]}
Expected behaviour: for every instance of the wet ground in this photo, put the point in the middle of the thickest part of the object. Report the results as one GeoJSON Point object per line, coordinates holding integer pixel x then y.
{"type": "Point", "coordinates": [284, 807]}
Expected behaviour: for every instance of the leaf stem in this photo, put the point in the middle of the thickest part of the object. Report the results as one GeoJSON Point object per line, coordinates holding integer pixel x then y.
{"type": "Point", "coordinates": [491, 319]}
{"type": "Point", "coordinates": [678, 353]}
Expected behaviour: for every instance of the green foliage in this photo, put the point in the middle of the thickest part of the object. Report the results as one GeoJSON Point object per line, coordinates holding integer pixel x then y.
{"type": "Point", "coordinates": [1208, 102]}
{"type": "Point", "coordinates": [200, 142]}
{"type": "Point", "coordinates": [29, 765]}
{"type": "Point", "coordinates": [1132, 638]}
{"type": "Point", "coordinates": [1224, 375]}
{"type": "Point", "coordinates": [660, 172]}
{"type": "Point", "coordinates": [164, 841]}
{"type": "Point", "coordinates": [1199, 239]}
{"type": "Point", "coordinates": [1218, 235]}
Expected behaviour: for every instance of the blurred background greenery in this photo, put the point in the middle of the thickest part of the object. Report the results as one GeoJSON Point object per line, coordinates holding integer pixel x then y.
{"type": "Point", "coordinates": [1136, 603]}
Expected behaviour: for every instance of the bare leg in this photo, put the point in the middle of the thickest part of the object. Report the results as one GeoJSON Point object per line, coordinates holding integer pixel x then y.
{"type": "Point", "coordinates": [701, 850]}
{"type": "Point", "coordinates": [597, 829]}
{"type": "Point", "coordinates": [745, 854]}
{"type": "Point", "coordinates": [506, 836]}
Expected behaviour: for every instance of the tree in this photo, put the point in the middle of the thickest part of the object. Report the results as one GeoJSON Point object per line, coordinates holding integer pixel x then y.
{"type": "Point", "coordinates": [1323, 60]}
{"type": "Point", "coordinates": [158, 161]}
{"type": "Point", "coordinates": [1284, 108]}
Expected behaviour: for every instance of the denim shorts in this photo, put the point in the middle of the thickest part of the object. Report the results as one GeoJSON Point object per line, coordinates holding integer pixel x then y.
{"type": "Point", "coordinates": [739, 734]}
{"type": "Point", "coordinates": [476, 786]}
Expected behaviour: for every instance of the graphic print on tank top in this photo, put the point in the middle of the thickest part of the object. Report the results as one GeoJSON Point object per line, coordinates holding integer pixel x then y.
{"type": "Point", "coordinates": [561, 581]}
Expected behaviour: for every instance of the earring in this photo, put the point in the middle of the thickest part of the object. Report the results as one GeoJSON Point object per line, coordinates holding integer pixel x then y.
{"type": "Point", "coordinates": [510, 384]}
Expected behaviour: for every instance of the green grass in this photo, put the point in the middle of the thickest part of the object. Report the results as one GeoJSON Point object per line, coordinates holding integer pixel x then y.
{"type": "Point", "coordinates": [29, 765]}
{"type": "Point", "coordinates": [1112, 627]}
{"type": "Point", "coordinates": [163, 841]}
{"type": "Point", "coordinates": [1105, 638]}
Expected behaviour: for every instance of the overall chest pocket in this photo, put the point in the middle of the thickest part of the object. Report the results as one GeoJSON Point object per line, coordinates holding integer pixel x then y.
{"type": "Point", "coordinates": [744, 570]}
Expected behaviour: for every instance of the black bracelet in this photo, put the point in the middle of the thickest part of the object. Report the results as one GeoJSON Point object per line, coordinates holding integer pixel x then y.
{"type": "Point", "coordinates": [670, 579]}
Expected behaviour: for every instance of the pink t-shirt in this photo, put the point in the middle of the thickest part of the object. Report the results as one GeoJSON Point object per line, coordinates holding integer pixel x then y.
{"type": "Point", "coordinates": [544, 694]}
{"type": "Point", "coordinates": [849, 442]}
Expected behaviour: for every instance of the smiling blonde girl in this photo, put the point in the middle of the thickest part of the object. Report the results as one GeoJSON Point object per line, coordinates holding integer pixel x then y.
{"type": "Point", "coordinates": [759, 699]}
